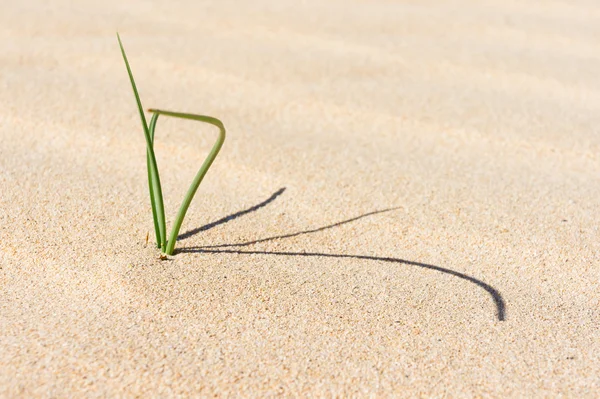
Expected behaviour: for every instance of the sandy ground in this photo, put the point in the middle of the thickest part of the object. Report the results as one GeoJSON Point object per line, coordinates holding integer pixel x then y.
{"type": "Point", "coordinates": [406, 205]}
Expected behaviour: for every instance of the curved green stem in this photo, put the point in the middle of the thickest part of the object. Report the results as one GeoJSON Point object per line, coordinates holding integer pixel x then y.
{"type": "Point", "coordinates": [199, 176]}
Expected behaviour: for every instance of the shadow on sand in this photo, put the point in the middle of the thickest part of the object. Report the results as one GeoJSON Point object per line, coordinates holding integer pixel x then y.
{"type": "Point", "coordinates": [234, 249]}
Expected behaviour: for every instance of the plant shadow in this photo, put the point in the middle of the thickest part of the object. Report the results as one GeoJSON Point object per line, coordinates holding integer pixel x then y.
{"type": "Point", "coordinates": [231, 217]}
{"type": "Point", "coordinates": [230, 249]}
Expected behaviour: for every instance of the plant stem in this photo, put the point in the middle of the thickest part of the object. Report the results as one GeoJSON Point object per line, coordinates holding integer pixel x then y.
{"type": "Point", "coordinates": [199, 176]}
{"type": "Point", "coordinates": [153, 201]}
{"type": "Point", "coordinates": [155, 193]}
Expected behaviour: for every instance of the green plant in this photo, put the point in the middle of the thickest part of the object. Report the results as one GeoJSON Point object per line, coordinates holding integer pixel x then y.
{"type": "Point", "coordinates": [156, 197]}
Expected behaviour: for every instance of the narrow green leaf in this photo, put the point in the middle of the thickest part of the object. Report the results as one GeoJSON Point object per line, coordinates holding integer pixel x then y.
{"type": "Point", "coordinates": [156, 198]}
{"type": "Point", "coordinates": [151, 177]}
{"type": "Point", "coordinates": [155, 187]}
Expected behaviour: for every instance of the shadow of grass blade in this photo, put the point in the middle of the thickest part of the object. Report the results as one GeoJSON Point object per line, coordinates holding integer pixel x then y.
{"type": "Point", "coordinates": [156, 198]}
{"type": "Point", "coordinates": [199, 176]}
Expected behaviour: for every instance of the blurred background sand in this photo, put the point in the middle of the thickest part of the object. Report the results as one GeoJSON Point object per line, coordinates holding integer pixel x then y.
{"type": "Point", "coordinates": [472, 126]}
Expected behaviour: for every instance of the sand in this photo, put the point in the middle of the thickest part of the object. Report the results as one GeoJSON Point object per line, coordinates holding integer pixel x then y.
{"type": "Point", "coordinates": [406, 203]}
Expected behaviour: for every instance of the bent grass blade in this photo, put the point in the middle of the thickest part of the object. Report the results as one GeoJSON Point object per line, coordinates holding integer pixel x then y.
{"type": "Point", "coordinates": [170, 247]}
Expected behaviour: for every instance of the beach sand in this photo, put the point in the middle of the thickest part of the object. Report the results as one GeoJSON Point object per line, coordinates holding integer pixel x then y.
{"type": "Point", "coordinates": [406, 204]}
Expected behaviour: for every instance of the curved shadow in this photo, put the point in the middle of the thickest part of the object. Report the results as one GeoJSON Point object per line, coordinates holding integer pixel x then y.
{"type": "Point", "coordinates": [494, 293]}
{"type": "Point", "coordinates": [217, 249]}
{"type": "Point", "coordinates": [231, 217]}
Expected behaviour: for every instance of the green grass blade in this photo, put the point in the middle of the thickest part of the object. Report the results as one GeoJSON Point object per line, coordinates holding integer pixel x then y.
{"type": "Point", "coordinates": [152, 127]}
{"type": "Point", "coordinates": [156, 198]}
{"type": "Point", "coordinates": [151, 177]}
{"type": "Point", "coordinates": [153, 202]}
{"type": "Point", "coordinates": [199, 176]}
{"type": "Point", "coordinates": [156, 187]}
